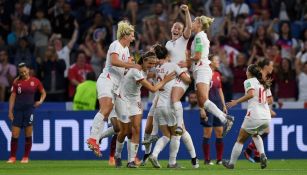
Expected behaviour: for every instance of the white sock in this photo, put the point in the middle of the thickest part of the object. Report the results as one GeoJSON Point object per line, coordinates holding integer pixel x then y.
{"type": "Point", "coordinates": [133, 151]}
{"type": "Point", "coordinates": [97, 126]}
{"type": "Point", "coordinates": [212, 108]}
{"type": "Point", "coordinates": [236, 151]}
{"type": "Point", "coordinates": [178, 112]}
{"type": "Point", "coordinates": [174, 148]}
{"type": "Point", "coordinates": [259, 143]}
{"type": "Point", "coordinates": [187, 140]}
{"type": "Point", "coordinates": [119, 149]}
{"type": "Point", "coordinates": [161, 143]}
{"type": "Point", "coordinates": [155, 126]}
{"type": "Point", "coordinates": [129, 149]}
{"type": "Point", "coordinates": [147, 147]}
{"type": "Point", "coordinates": [108, 132]}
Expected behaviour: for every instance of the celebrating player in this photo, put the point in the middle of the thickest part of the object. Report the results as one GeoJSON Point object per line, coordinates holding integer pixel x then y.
{"type": "Point", "coordinates": [129, 109]}
{"type": "Point", "coordinates": [266, 67]}
{"type": "Point", "coordinates": [202, 72]}
{"type": "Point", "coordinates": [167, 121]}
{"type": "Point", "coordinates": [257, 118]}
{"type": "Point", "coordinates": [21, 108]}
{"type": "Point", "coordinates": [108, 81]}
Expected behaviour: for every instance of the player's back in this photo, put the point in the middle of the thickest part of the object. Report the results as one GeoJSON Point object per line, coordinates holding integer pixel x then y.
{"type": "Point", "coordinates": [165, 93]}
{"type": "Point", "coordinates": [257, 107]}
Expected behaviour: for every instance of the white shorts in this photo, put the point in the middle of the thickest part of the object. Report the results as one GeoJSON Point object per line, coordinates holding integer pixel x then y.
{"type": "Point", "coordinates": [254, 126]}
{"type": "Point", "coordinates": [179, 83]}
{"type": "Point", "coordinates": [165, 116]}
{"type": "Point", "coordinates": [113, 114]}
{"type": "Point", "coordinates": [106, 88]}
{"type": "Point", "coordinates": [126, 108]}
{"type": "Point", "coordinates": [153, 106]}
{"type": "Point", "coordinates": [202, 75]}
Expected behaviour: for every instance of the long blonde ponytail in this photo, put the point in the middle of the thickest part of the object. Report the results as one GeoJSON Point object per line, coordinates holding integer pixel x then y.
{"type": "Point", "coordinates": [206, 22]}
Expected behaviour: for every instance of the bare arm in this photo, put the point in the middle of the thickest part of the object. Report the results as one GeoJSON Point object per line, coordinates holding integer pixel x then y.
{"type": "Point", "coordinates": [41, 99]}
{"type": "Point", "coordinates": [185, 78]}
{"type": "Point", "coordinates": [223, 100]}
{"type": "Point", "coordinates": [74, 37]}
{"type": "Point", "coordinates": [116, 62]}
{"type": "Point", "coordinates": [249, 95]}
{"type": "Point", "coordinates": [11, 105]}
{"type": "Point", "coordinates": [188, 22]}
{"type": "Point", "coordinates": [159, 85]}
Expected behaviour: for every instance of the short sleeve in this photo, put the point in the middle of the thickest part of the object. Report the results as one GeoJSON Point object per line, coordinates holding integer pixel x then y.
{"type": "Point", "coordinates": [137, 75]}
{"type": "Point", "coordinates": [268, 93]}
{"type": "Point", "coordinates": [39, 85]}
{"type": "Point", "coordinates": [14, 87]}
{"type": "Point", "coordinates": [114, 48]}
{"type": "Point", "coordinates": [198, 44]}
{"type": "Point", "coordinates": [219, 81]}
{"type": "Point", "coordinates": [248, 85]}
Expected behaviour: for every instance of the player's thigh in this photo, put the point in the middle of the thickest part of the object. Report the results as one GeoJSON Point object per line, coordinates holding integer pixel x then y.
{"type": "Point", "coordinates": [136, 122]}
{"type": "Point", "coordinates": [106, 106]}
{"type": "Point", "coordinates": [28, 117]}
{"type": "Point", "coordinates": [207, 132]}
{"type": "Point", "coordinates": [165, 130]}
{"type": "Point", "coordinates": [121, 108]}
{"type": "Point", "coordinates": [202, 93]}
{"type": "Point", "coordinates": [218, 131]}
{"type": "Point", "coordinates": [18, 119]}
{"type": "Point", "coordinates": [105, 94]}
{"type": "Point", "coordinates": [243, 136]}
{"type": "Point", "coordinates": [28, 131]}
{"type": "Point", "coordinates": [149, 124]}
{"type": "Point", "coordinates": [177, 93]}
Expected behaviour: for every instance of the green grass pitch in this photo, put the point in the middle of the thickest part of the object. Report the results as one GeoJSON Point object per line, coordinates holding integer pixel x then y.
{"type": "Point", "coordinates": [93, 167]}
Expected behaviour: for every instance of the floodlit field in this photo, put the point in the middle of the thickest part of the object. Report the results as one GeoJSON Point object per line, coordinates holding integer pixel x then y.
{"type": "Point", "coordinates": [93, 167]}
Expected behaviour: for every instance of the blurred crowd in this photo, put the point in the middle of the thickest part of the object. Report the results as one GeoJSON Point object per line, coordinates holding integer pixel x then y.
{"type": "Point", "coordinates": [63, 40]}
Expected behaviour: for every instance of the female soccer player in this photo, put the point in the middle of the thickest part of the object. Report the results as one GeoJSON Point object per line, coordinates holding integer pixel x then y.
{"type": "Point", "coordinates": [217, 97]}
{"type": "Point", "coordinates": [21, 108]}
{"type": "Point", "coordinates": [258, 115]}
{"type": "Point", "coordinates": [129, 109]}
{"type": "Point", "coordinates": [266, 67]}
{"type": "Point", "coordinates": [108, 81]}
{"type": "Point", "coordinates": [202, 72]}
{"type": "Point", "coordinates": [167, 121]}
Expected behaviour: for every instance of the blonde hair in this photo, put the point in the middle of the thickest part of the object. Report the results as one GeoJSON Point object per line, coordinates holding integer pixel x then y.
{"type": "Point", "coordinates": [205, 21]}
{"type": "Point", "coordinates": [124, 28]}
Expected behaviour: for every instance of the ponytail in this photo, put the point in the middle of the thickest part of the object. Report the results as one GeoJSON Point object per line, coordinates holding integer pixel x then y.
{"type": "Point", "coordinates": [254, 70]}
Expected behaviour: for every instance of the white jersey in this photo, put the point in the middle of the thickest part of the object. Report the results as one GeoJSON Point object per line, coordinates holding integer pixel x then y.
{"type": "Point", "coordinates": [257, 107]}
{"type": "Point", "coordinates": [165, 93]}
{"type": "Point", "coordinates": [201, 44]}
{"type": "Point", "coordinates": [130, 87]}
{"type": "Point", "coordinates": [112, 72]}
{"type": "Point", "coordinates": [176, 49]}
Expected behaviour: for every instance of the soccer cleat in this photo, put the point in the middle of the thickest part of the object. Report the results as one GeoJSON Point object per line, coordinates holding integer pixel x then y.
{"type": "Point", "coordinates": [195, 162]}
{"type": "Point", "coordinates": [175, 166]}
{"type": "Point", "coordinates": [257, 159]}
{"type": "Point", "coordinates": [11, 160]}
{"type": "Point", "coordinates": [154, 162]}
{"type": "Point", "coordinates": [131, 165]}
{"type": "Point", "coordinates": [263, 161]}
{"type": "Point", "coordinates": [92, 145]}
{"type": "Point", "coordinates": [178, 131]}
{"type": "Point", "coordinates": [228, 124]}
{"type": "Point", "coordinates": [150, 139]}
{"type": "Point", "coordinates": [145, 159]}
{"type": "Point", "coordinates": [208, 162]}
{"type": "Point", "coordinates": [247, 155]}
{"type": "Point", "coordinates": [227, 165]}
{"type": "Point", "coordinates": [25, 160]}
{"type": "Point", "coordinates": [219, 162]}
{"type": "Point", "coordinates": [118, 162]}
{"type": "Point", "coordinates": [111, 161]}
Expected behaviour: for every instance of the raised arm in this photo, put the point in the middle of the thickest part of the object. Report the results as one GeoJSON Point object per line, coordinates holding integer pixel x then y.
{"type": "Point", "coordinates": [188, 22]}
{"type": "Point", "coordinates": [74, 37]}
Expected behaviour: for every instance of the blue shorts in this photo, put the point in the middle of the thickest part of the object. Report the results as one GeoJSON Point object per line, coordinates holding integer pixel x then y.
{"type": "Point", "coordinates": [211, 122]}
{"type": "Point", "coordinates": [23, 117]}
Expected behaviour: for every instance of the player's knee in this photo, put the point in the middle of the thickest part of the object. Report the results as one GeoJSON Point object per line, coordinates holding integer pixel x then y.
{"type": "Point", "coordinates": [148, 130]}
{"type": "Point", "coordinates": [116, 128]}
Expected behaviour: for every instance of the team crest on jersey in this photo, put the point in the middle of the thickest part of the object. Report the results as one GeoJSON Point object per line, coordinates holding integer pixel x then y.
{"type": "Point", "coordinates": [32, 83]}
{"type": "Point", "coordinates": [197, 40]}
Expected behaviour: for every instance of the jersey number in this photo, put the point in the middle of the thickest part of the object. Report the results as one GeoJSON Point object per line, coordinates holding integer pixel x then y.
{"type": "Point", "coordinates": [262, 96]}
